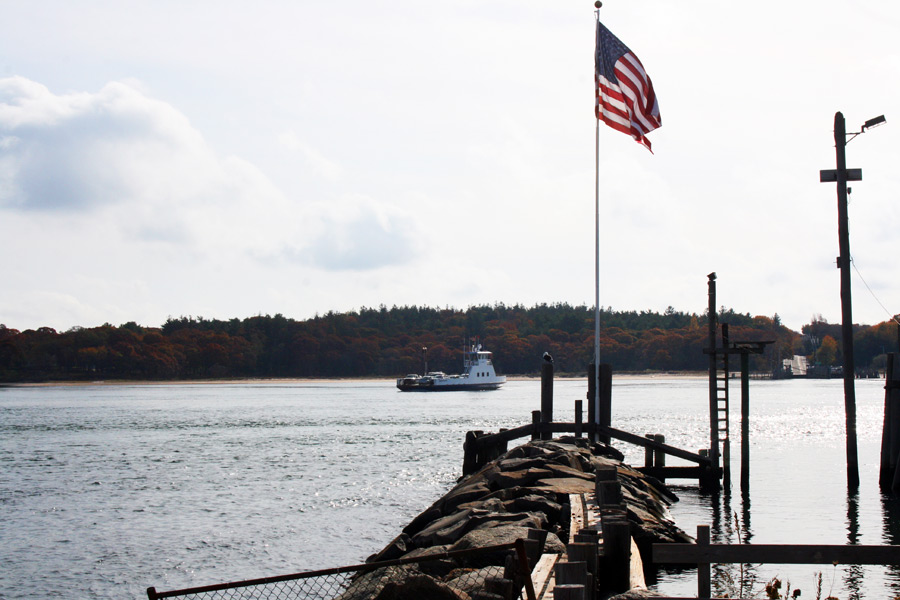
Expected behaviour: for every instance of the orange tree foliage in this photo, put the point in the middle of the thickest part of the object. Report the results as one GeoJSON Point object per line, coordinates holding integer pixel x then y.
{"type": "Point", "coordinates": [382, 342]}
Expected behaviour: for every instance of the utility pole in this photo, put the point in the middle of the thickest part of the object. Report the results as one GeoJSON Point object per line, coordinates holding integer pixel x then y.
{"type": "Point", "coordinates": [840, 144]}
{"type": "Point", "coordinates": [841, 176]}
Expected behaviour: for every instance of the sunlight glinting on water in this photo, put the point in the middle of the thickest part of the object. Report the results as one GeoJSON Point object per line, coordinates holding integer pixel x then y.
{"type": "Point", "coordinates": [111, 489]}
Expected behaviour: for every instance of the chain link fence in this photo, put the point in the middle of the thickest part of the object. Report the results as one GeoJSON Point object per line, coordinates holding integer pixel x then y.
{"type": "Point", "coordinates": [490, 572]}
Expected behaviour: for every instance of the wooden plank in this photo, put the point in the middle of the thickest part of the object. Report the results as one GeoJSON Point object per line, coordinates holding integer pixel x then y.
{"type": "Point", "coordinates": [542, 575]}
{"type": "Point", "coordinates": [642, 441]}
{"type": "Point", "coordinates": [662, 473]}
{"type": "Point", "coordinates": [577, 515]}
{"type": "Point", "coordinates": [637, 568]}
{"type": "Point", "coordinates": [776, 554]}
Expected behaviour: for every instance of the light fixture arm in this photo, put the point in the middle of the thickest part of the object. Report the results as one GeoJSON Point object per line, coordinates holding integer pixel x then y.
{"type": "Point", "coordinates": [875, 122]}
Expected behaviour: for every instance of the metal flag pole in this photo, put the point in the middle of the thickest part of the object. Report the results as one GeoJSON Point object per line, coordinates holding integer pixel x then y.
{"type": "Point", "coordinates": [596, 398]}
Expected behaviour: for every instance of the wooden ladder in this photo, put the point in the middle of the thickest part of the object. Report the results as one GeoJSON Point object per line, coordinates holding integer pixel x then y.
{"type": "Point", "coordinates": [723, 413]}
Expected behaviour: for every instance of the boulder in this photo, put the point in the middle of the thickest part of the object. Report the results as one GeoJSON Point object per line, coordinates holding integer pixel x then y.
{"type": "Point", "coordinates": [418, 587]}
{"type": "Point", "coordinates": [523, 478]}
{"type": "Point", "coordinates": [445, 530]}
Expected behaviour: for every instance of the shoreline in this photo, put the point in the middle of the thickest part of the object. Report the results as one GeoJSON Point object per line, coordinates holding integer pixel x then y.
{"type": "Point", "coordinates": [314, 380]}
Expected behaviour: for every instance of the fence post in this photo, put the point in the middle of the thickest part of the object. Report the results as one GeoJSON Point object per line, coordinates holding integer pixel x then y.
{"type": "Point", "coordinates": [704, 577]}
{"type": "Point", "coordinates": [648, 452]}
{"type": "Point", "coordinates": [522, 555]}
{"type": "Point", "coordinates": [659, 457]}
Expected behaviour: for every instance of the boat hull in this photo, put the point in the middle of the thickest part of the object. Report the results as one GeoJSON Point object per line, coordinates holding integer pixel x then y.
{"type": "Point", "coordinates": [436, 387]}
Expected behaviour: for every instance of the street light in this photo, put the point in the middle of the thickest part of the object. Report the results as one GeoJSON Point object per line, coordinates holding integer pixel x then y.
{"type": "Point", "coordinates": [879, 120]}
{"type": "Point", "coordinates": [841, 176]}
{"type": "Point", "coordinates": [873, 122]}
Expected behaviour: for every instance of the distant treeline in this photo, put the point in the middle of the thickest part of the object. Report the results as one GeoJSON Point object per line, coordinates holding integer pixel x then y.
{"type": "Point", "coordinates": [388, 342]}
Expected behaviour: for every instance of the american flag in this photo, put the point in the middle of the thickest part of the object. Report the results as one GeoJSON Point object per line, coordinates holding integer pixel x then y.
{"type": "Point", "coordinates": [625, 97]}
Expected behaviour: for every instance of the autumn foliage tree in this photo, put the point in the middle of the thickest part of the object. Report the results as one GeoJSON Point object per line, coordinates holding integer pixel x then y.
{"type": "Point", "coordinates": [388, 342]}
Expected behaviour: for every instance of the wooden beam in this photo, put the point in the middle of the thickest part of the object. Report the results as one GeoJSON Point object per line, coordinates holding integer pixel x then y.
{"type": "Point", "coordinates": [788, 554]}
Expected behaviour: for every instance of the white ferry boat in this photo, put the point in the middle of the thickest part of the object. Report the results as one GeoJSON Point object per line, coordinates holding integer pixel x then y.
{"type": "Point", "coordinates": [478, 374]}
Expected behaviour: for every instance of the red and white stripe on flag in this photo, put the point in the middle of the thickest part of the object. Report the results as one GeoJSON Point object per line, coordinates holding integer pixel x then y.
{"type": "Point", "coordinates": [625, 97]}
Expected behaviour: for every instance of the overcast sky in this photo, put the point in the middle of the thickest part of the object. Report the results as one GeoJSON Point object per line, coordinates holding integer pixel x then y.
{"type": "Point", "coordinates": [227, 159]}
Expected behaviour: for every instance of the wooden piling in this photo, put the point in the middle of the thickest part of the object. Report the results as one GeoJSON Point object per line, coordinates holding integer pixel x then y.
{"type": "Point", "coordinates": [593, 378]}
{"type": "Point", "coordinates": [546, 398]}
{"type": "Point", "coordinates": [571, 572]}
{"type": "Point", "coordinates": [745, 421]}
{"type": "Point", "coordinates": [704, 576]}
{"type": "Point", "coordinates": [617, 553]}
{"type": "Point", "coordinates": [889, 473]}
{"type": "Point", "coordinates": [578, 417]}
{"type": "Point", "coordinates": [604, 418]}
{"type": "Point", "coordinates": [713, 391]}
{"type": "Point", "coordinates": [587, 554]}
{"type": "Point", "coordinates": [536, 424]}
{"type": "Point", "coordinates": [599, 415]}
{"type": "Point", "coordinates": [470, 454]}
{"type": "Point", "coordinates": [569, 591]}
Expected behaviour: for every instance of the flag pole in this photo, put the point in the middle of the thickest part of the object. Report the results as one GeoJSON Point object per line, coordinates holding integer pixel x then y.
{"type": "Point", "coordinates": [596, 398]}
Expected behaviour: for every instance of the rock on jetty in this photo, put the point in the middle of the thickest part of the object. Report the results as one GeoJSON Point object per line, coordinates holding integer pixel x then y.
{"type": "Point", "coordinates": [524, 491]}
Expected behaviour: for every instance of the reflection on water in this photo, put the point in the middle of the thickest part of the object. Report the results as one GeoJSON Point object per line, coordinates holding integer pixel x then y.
{"type": "Point", "coordinates": [112, 489]}
{"type": "Point", "coordinates": [890, 506]}
{"type": "Point", "coordinates": [729, 519]}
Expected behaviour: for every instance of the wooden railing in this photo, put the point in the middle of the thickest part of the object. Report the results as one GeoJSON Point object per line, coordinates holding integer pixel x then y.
{"type": "Point", "coordinates": [703, 554]}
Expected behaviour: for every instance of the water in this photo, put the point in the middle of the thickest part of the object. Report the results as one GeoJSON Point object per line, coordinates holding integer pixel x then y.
{"type": "Point", "coordinates": [108, 489]}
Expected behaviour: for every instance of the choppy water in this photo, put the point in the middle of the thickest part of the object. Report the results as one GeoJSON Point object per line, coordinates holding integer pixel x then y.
{"type": "Point", "coordinates": [106, 490]}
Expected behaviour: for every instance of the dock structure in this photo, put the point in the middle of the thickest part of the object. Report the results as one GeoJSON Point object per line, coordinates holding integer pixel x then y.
{"type": "Point", "coordinates": [480, 447]}
{"type": "Point", "coordinates": [601, 557]}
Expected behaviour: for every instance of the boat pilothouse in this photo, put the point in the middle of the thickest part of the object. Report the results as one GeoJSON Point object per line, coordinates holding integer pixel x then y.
{"type": "Point", "coordinates": [478, 374]}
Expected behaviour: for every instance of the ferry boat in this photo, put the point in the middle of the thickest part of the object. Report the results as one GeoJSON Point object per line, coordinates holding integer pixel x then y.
{"type": "Point", "coordinates": [478, 374]}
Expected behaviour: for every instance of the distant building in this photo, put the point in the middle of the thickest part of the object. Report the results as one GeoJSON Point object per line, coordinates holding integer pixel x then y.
{"type": "Point", "coordinates": [796, 366]}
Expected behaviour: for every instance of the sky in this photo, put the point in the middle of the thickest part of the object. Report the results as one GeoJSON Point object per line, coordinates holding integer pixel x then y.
{"type": "Point", "coordinates": [229, 159]}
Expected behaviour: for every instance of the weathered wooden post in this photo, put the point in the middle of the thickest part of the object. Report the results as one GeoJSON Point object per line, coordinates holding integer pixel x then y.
{"type": "Point", "coordinates": [592, 408]}
{"type": "Point", "coordinates": [607, 487]}
{"type": "Point", "coordinates": [586, 553]}
{"type": "Point", "coordinates": [470, 454]}
{"type": "Point", "coordinates": [546, 398]}
{"type": "Point", "coordinates": [889, 474]}
{"type": "Point", "coordinates": [745, 421]}
{"type": "Point", "coordinates": [648, 453]}
{"type": "Point", "coordinates": [704, 576]}
{"type": "Point", "coordinates": [841, 175]}
{"type": "Point", "coordinates": [535, 424]}
{"type": "Point", "coordinates": [604, 418]}
{"type": "Point", "coordinates": [713, 387]}
{"type": "Point", "coordinates": [578, 417]}
{"type": "Point", "coordinates": [569, 591]}
{"type": "Point", "coordinates": [599, 414]}
{"type": "Point", "coordinates": [572, 573]}
{"type": "Point", "coordinates": [617, 552]}
{"type": "Point", "coordinates": [659, 457]}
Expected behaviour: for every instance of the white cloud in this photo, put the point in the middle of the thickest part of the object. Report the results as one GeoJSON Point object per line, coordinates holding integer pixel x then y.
{"type": "Point", "coordinates": [358, 234]}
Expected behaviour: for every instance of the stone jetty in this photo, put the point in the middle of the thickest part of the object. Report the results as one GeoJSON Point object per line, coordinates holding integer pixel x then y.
{"type": "Point", "coordinates": [542, 490]}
